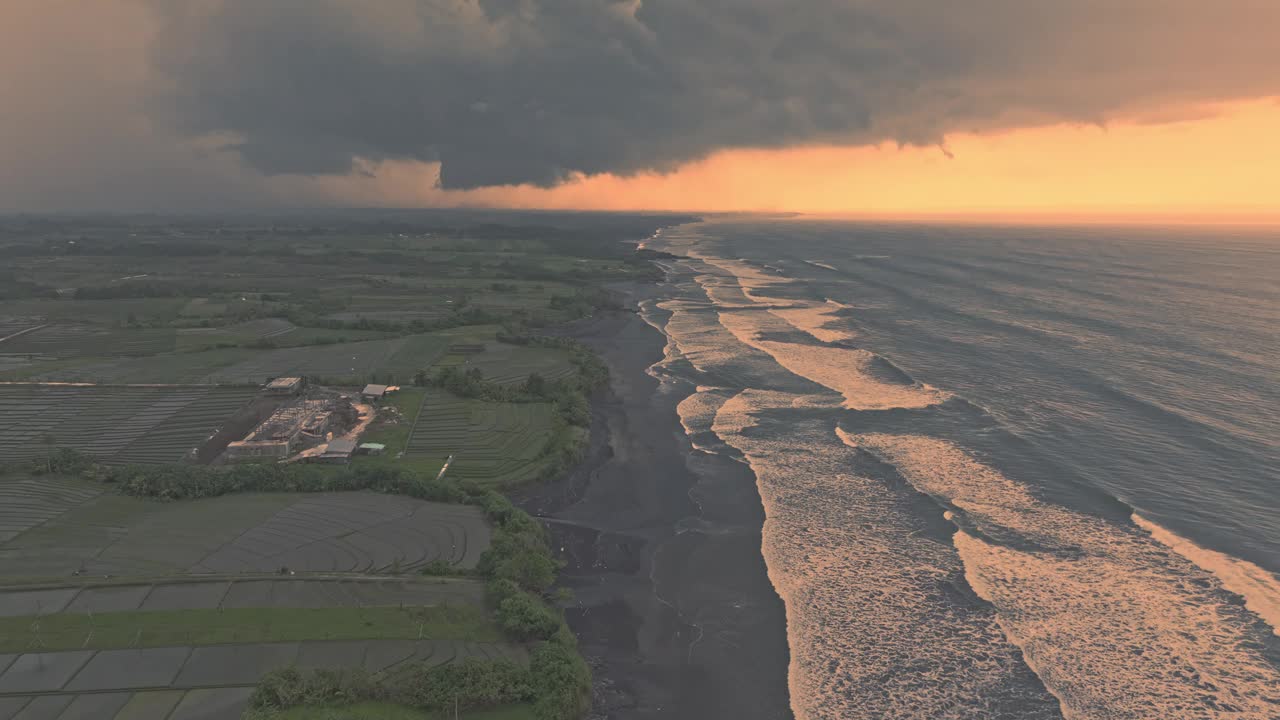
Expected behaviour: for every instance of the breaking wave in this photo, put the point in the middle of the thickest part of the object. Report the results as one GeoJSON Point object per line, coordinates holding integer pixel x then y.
{"type": "Point", "coordinates": [877, 618]}
{"type": "Point", "coordinates": [850, 372]}
{"type": "Point", "coordinates": [1113, 622]}
{"type": "Point", "coordinates": [1259, 588]}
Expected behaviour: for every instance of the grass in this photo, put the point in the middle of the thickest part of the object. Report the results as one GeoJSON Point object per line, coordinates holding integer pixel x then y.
{"type": "Point", "coordinates": [102, 312]}
{"type": "Point", "coordinates": [180, 367]}
{"type": "Point", "coordinates": [497, 444]}
{"type": "Point", "coordinates": [106, 631]}
{"type": "Point", "coordinates": [408, 401]}
{"type": "Point", "coordinates": [391, 711]}
{"type": "Point", "coordinates": [512, 364]}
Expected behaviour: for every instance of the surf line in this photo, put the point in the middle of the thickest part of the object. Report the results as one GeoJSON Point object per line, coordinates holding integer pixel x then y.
{"type": "Point", "coordinates": [1259, 588]}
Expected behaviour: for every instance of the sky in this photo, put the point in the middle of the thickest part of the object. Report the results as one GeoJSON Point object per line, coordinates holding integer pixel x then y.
{"type": "Point", "coordinates": [860, 107]}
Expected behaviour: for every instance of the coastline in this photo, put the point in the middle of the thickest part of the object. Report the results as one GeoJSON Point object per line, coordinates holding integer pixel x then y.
{"type": "Point", "coordinates": [675, 622]}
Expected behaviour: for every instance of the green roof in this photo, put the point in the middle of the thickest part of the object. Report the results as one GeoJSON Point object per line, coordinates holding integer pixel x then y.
{"type": "Point", "coordinates": [373, 446]}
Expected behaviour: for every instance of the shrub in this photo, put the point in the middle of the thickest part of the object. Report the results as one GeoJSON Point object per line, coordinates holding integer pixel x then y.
{"type": "Point", "coordinates": [471, 683]}
{"type": "Point", "coordinates": [289, 687]}
{"type": "Point", "coordinates": [521, 557]}
{"type": "Point", "coordinates": [524, 616]}
{"type": "Point", "coordinates": [561, 679]}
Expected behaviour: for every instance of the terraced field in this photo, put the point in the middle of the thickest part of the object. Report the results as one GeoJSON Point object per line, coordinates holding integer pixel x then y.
{"type": "Point", "coordinates": [110, 596]}
{"type": "Point", "coordinates": [265, 328]}
{"type": "Point", "coordinates": [94, 312]}
{"type": "Point", "coordinates": [10, 324]}
{"type": "Point", "coordinates": [183, 367]}
{"type": "Point", "coordinates": [29, 501]}
{"type": "Point", "coordinates": [494, 443]}
{"type": "Point", "coordinates": [80, 642]}
{"type": "Point", "coordinates": [511, 364]}
{"type": "Point", "coordinates": [202, 683]}
{"type": "Point", "coordinates": [398, 357]}
{"type": "Point", "coordinates": [355, 532]}
{"type": "Point", "coordinates": [260, 533]}
{"type": "Point", "coordinates": [343, 360]}
{"type": "Point", "coordinates": [114, 424]}
{"type": "Point", "coordinates": [62, 340]}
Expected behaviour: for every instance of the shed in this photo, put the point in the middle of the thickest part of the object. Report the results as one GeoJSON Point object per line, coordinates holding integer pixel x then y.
{"type": "Point", "coordinates": [372, 449]}
{"type": "Point", "coordinates": [338, 451]}
{"type": "Point", "coordinates": [373, 392]}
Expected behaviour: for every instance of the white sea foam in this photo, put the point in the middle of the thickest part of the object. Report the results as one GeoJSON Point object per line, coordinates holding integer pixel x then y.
{"type": "Point", "coordinates": [815, 319]}
{"type": "Point", "coordinates": [1259, 588]}
{"type": "Point", "coordinates": [873, 630]}
{"type": "Point", "coordinates": [822, 265]}
{"type": "Point", "coordinates": [845, 370]}
{"type": "Point", "coordinates": [698, 411]}
{"type": "Point", "coordinates": [1115, 623]}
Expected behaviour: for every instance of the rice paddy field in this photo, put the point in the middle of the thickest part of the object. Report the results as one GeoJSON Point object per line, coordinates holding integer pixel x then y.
{"type": "Point", "coordinates": [55, 528]}
{"type": "Point", "coordinates": [511, 364]}
{"type": "Point", "coordinates": [114, 424]}
{"type": "Point", "coordinates": [59, 340]}
{"type": "Point", "coordinates": [118, 607]}
{"type": "Point", "coordinates": [498, 444]}
{"type": "Point", "coordinates": [355, 363]}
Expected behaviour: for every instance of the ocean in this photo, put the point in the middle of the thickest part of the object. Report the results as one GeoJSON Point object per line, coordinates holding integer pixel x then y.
{"type": "Point", "coordinates": [1008, 472]}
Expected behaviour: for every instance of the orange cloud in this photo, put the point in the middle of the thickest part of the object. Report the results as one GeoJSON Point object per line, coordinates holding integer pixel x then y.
{"type": "Point", "coordinates": [1221, 162]}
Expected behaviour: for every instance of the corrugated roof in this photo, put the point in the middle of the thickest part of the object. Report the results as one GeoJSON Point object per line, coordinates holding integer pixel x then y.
{"type": "Point", "coordinates": [340, 447]}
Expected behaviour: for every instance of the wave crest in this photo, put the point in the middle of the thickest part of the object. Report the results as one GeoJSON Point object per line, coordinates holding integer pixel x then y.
{"type": "Point", "coordinates": [1115, 624]}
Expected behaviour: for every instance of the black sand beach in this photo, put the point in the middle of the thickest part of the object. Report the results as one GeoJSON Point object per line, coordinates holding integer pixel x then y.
{"type": "Point", "coordinates": [673, 606]}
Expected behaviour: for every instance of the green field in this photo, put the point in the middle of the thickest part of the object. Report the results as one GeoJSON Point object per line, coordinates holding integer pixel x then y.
{"type": "Point", "coordinates": [114, 424]}
{"type": "Point", "coordinates": [64, 340]}
{"type": "Point", "coordinates": [497, 444]}
{"type": "Point", "coordinates": [511, 364]}
{"type": "Point", "coordinates": [50, 529]}
{"type": "Point", "coordinates": [393, 429]}
{"type": "Point", "coordinates": [304, 351]}
{"type": "Point", "coordinates": [108, 631]}
{"type": "Point", "coordinates": [183, 367]}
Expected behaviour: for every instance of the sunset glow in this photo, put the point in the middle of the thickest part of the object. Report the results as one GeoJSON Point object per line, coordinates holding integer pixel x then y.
{"type": "Point", "coordinates": [1217, 166]}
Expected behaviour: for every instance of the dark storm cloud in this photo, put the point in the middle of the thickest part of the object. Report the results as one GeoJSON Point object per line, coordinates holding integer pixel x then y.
{"type": "Point", "coordinates": [219, 103]}
{"type": "Point", "coordinates": [514, 91]}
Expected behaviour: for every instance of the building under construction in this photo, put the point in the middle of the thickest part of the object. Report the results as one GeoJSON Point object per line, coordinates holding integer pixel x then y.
{"type": "Point", "coordinates": [294, 427]}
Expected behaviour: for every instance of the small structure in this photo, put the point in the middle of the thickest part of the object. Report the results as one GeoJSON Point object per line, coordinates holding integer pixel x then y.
{"type": "Point", "coordinates": [373, 393]}
{"type": "Point", "coordinates": [372, 449]}
{"type": "Point", "coordinates": [284, 386]}
{"type": "Point", "coordinates": [338, 451]}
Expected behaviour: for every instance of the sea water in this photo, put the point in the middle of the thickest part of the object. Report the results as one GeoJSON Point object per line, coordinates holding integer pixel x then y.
{"type": "Point", "coordinates": [1007, 472]}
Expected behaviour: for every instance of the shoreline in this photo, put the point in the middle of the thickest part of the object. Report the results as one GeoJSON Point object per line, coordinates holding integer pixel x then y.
{"type": "Point", "coordinates": [675, 622]}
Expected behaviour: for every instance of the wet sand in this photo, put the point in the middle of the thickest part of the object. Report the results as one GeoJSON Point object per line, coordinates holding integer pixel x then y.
{"type": "Point", "coordinates": [673, 607]}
